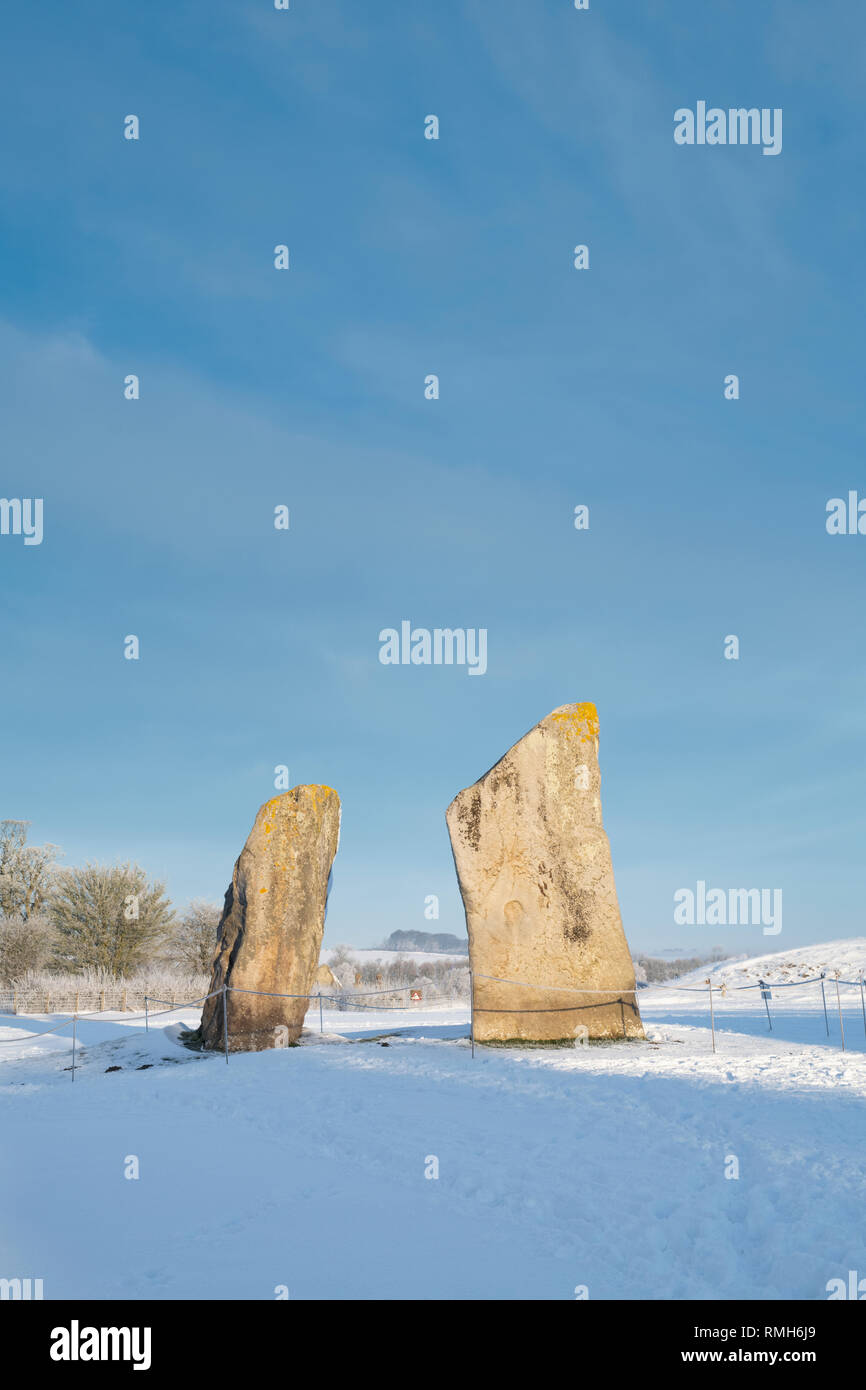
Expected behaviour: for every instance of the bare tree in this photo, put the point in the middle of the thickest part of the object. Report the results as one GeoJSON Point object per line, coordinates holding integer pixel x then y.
{"type": "Point", "coordinates": [24, 946]}
{"type": "Point", "coordinates": [194, 942]}
{"type": "Point", "coordinates": [25, 872]}
{"type": "Point", "coordinates": [108, 917]}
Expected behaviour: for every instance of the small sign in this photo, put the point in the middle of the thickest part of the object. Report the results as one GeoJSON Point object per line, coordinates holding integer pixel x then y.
{"type": "Point", "coordinates": [415, 996]}
{"type": "Point", "coordinates": [765, 991]}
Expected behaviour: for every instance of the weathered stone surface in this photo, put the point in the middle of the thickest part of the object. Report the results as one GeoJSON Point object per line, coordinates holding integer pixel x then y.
{"type": "Point", "coordinates": [536, 876]}
{"type": "Point", "coordinates": [270, 934]}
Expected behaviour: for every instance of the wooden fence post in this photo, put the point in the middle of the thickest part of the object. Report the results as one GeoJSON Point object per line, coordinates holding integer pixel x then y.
{"type": "Point", "coordinates": [102, 1001]}
{"type": "Point", "coordinates": [123, 1001]}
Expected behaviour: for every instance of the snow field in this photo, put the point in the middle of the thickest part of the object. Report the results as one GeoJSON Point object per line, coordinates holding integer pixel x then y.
{"type": "Point", "coordinates": [600, 1166]}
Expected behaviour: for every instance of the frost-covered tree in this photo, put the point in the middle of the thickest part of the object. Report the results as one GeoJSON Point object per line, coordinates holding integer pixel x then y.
{"type": "Point", "coordinates": [194, 942]}
{"type": "Point", "coordinates": [108, 917]}
{"type": "Point", "coordinates": [24, 946]}
{"type": "Point", "coordinates": [25, 872]}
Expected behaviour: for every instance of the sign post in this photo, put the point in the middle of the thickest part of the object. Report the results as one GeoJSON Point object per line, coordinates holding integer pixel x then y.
{"type": "Point", "coordinates": [766, 995]}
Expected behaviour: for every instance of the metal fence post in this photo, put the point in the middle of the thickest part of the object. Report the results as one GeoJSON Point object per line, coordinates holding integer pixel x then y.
{"type": "Point", "coordinates": [824, 1000]}
{"type": "Point", "coordinates": [472, 1010]}
{"type": "Point", "coordinates": [321, 1024]}
{"type": "Point", "coordinates": [712, 1015]}
{"type": "Point", "coordinates": [74, 1017]}
{"type": "Point", "coordinates": [839, 1004]}
{"type": "Point", "coordinates": [862, 1001]}
{"type": "Point", "coordinates": [225, 1027]}
{"type": "Point", "coordinates": [146, 1019]}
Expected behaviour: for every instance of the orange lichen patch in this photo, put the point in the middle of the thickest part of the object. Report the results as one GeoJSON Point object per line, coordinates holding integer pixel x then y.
{"type": "Point", "coordinates": [287, 814]}
{"type": "Point", "coordinates": [321, 793]}
{"type": "Point", "coordinates": [263, 890]}
{"type": "Point", "coordinates": [578, 721]}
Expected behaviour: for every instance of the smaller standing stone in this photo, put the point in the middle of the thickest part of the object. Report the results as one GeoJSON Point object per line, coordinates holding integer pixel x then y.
{"type": "Point", "coordinates": [270, 934]}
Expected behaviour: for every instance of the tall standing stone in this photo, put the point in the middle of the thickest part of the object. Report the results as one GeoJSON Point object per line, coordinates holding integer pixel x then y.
{"type": "Point", "coordinates": [536, 877]}
{"type": "Point", "coordinates": [271, 929]}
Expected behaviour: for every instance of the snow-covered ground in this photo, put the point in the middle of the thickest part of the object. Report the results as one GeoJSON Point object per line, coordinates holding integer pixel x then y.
{"type": "Point", "coordinates": [601, 1166]}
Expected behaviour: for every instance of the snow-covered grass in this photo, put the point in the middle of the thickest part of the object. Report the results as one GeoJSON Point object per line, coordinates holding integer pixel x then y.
{"type": "Point", "coordinates": [86, 989]}
{"type": "Point", "coordinates": [601, 1166]}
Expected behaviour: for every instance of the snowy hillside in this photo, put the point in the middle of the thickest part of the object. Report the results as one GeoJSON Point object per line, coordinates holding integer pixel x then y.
{"type": "Point", "coordinates": [783, 967]}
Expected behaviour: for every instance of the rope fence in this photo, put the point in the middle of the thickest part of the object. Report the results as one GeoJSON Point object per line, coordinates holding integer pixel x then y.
{"type": "Point", "coordinates": [723, 989]}
{"type": "Point", "coordinates": [341, 1001]}
{"type": "Point", "coordinates": [766, 987]}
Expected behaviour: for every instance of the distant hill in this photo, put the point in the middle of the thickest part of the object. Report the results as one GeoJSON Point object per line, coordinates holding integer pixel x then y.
{"type": "Point", "coordinates": [426, 941]}
{"type": "Point", "coordinates": [847, 955]}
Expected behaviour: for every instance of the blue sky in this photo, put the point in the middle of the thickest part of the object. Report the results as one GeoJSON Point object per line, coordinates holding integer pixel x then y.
{"type": "Point", "coordinates": [558, 387]}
